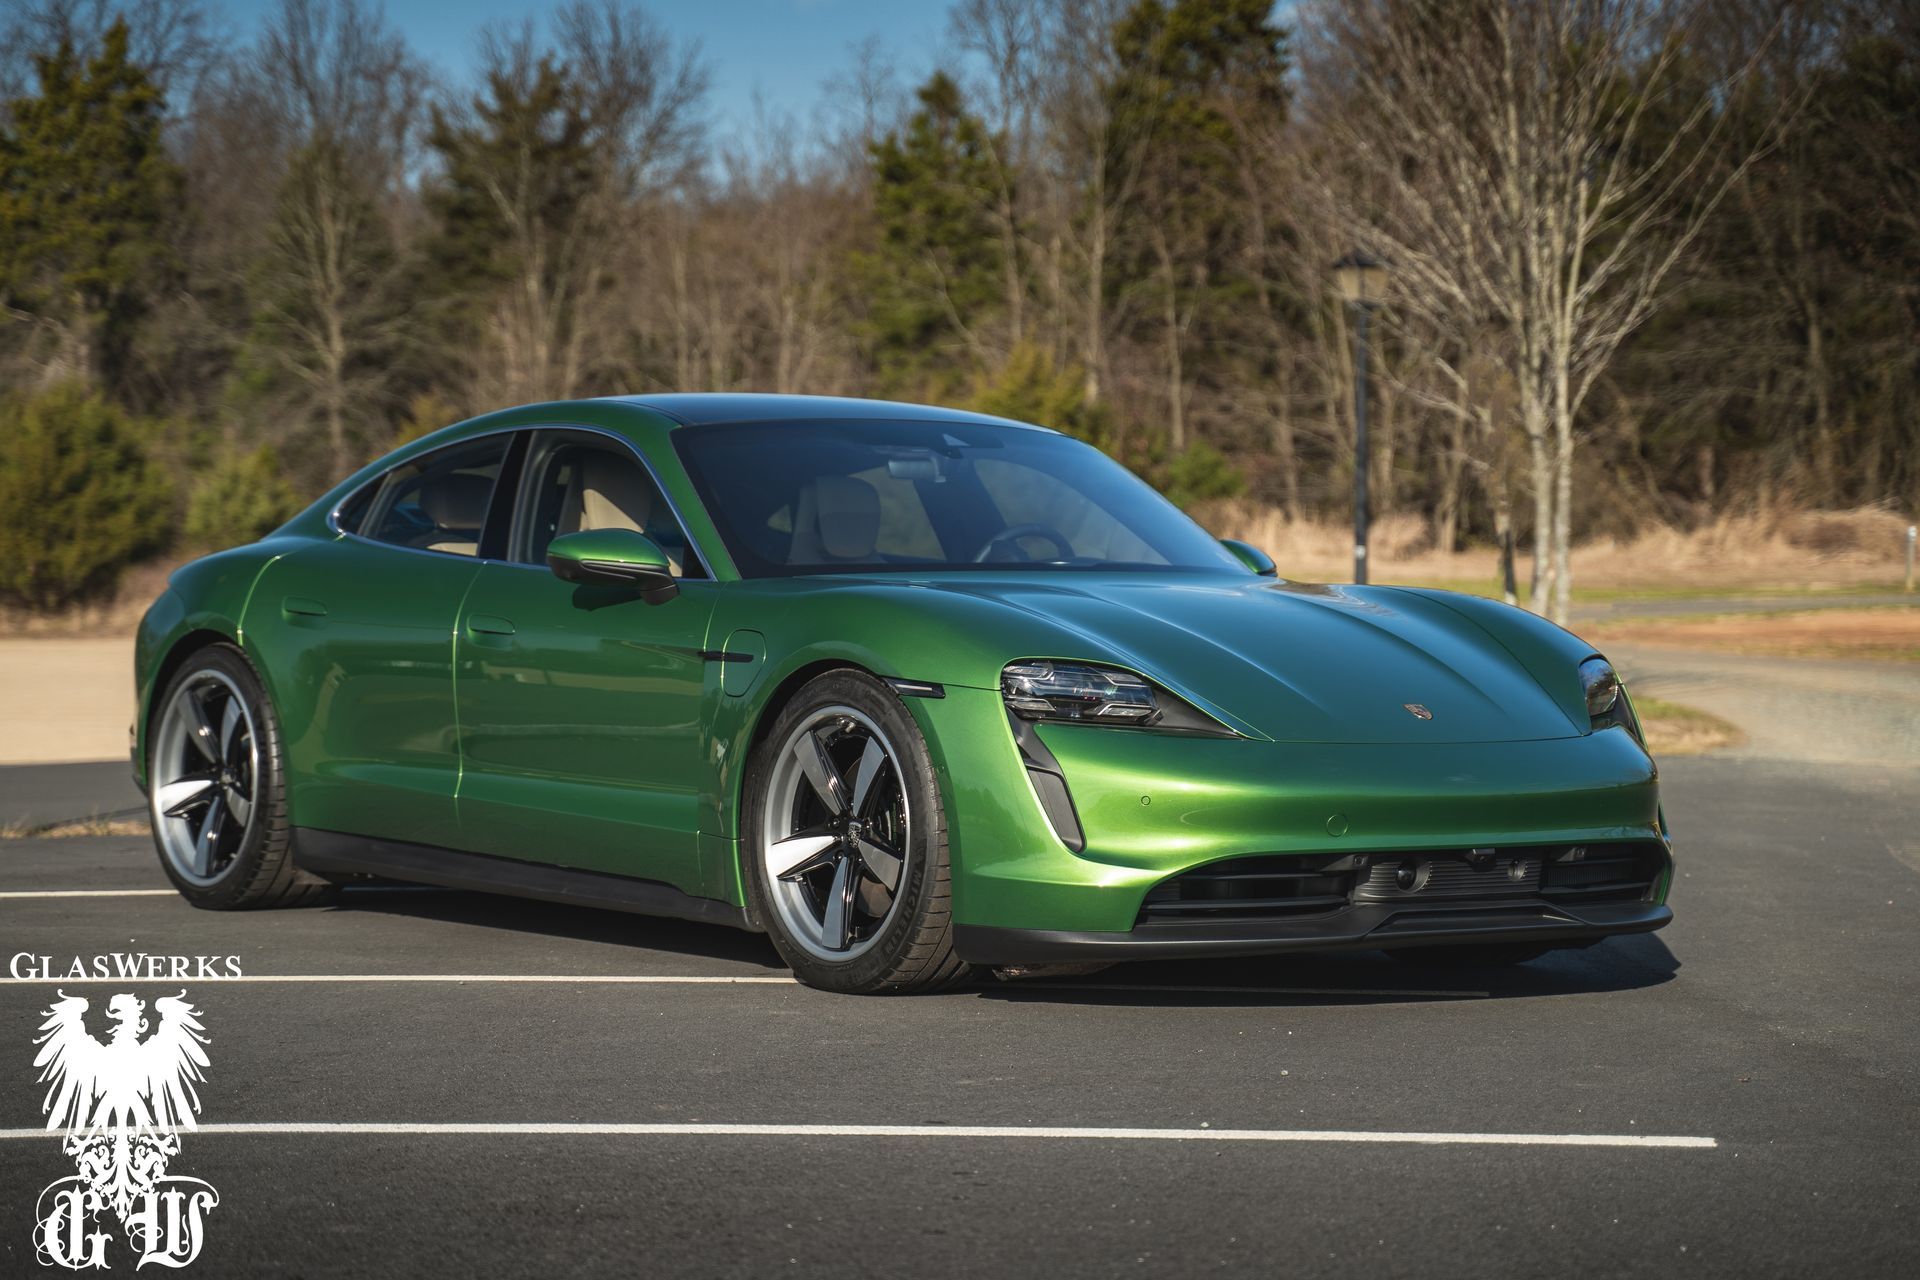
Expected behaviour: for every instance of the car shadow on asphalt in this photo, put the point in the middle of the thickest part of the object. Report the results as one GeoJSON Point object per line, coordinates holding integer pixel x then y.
{"type": "Point", "coordinates": [1358, 977]}
{"type": "Point", "coordinates": [1354, 977]}
{"type": "Point", "coordinates": [640, 933]}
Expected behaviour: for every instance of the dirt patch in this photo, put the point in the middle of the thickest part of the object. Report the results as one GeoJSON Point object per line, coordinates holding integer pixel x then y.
{"type": "Point", "coordinates": [1891, 635]}
{"type": "Point", "coordinates": [63, 701]}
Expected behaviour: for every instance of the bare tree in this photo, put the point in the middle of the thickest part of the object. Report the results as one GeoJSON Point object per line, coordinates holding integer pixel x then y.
{"type": "Point", "coordinates": [1542, 166]}
{"type": "Point", "coordinates": [167, 39]}
{"type": "Point", "coordinates": [335, 68]}
{"type": "Point", "coordinates": [341, 95]}
{"type": "Point", "coordinates": [1089, 194]}
{"type": "Point", "coordinates": [1007, 37]}
{"type": "Point", "coordinates": [569, 205]}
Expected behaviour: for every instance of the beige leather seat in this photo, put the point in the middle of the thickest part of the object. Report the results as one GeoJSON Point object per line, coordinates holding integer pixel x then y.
{"type": "Point", "coordinates": [457, 505]}
{"type": "Point", "coordinates": [609, 492]}
{"type": "Point", "coordinates": [837, 519]}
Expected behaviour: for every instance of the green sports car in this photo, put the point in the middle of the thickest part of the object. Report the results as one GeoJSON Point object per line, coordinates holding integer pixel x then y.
{"type": "Point", "coordinates": [912, 690]}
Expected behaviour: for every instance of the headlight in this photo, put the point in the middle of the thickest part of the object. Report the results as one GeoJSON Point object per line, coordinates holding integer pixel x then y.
{"type": "Point", "coordinates": [1601, 684]}
{"type": "Point", "coordinates": [1075, 691]}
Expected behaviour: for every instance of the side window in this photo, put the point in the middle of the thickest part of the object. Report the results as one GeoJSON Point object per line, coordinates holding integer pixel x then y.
{"type": "Point", "coordinates": [437, 502]}
{"type": "Point", "coordinates": [573, 482]}
{"type": "Point", "coordinates": [347, 517]}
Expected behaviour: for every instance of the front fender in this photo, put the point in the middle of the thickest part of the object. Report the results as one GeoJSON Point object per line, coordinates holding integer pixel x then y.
{"type": "Point", "coordinates": [204, 600]}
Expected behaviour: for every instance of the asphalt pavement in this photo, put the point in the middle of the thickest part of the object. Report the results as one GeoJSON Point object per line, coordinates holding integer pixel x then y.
{"type": "Point", "coordinates": [584, 1093]}
{"type": "Point", "coordinates": [38, 795]}
{"type": "Point", "coordinates": [1827, 711]}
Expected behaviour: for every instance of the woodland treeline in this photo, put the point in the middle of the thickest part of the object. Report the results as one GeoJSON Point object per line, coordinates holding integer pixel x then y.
{"type": "Point", "coordinates": [1649, 261]}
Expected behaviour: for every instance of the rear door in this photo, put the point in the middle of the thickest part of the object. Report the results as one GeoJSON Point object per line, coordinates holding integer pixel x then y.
{"type": "Point", "coordinates": [357, 635]}
{"type": "Point", "coordinates": [583, 709]}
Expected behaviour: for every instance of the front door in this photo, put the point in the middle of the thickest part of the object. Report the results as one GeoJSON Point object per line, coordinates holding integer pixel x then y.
{"type": "Point", "coordinates": [583, 709]}
{"type": "Point", "coordinates": [357, 633]}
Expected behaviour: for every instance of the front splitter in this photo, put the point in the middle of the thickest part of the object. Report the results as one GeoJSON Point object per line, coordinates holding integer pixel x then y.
{"type": "Point", "coordinates": [1353, 929]}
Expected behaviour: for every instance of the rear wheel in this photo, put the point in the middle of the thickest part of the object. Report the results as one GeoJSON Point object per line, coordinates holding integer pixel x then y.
{"type": "Point", "coordinates": [846, 843]}
{"type": "Point", "coordinates": [216, 790]}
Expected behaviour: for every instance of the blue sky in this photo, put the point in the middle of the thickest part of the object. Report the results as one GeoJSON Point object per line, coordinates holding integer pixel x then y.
{"type": "Point", "coordinates": [781, 49]}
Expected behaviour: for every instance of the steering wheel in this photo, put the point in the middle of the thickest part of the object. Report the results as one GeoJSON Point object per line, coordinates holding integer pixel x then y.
{"type": "Point", "coordinates": [1010, 536]}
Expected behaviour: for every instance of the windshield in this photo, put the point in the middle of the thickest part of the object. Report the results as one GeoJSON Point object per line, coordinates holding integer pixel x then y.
{"type": "Point", "coordinates": [889, 497]}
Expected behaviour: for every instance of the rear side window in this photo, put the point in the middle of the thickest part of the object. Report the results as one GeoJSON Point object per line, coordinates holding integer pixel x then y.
{"type": "Point", "coordinates": [436, 502]}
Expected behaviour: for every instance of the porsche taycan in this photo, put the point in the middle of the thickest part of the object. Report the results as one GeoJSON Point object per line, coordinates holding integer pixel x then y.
{"type": "Point", "coordinates": [914, 691]}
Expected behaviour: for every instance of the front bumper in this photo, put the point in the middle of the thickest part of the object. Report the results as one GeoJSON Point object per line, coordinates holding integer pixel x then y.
{"type": "Point", "coordinates": [1153, 808]}
{"type": "Point", "coordinates": [1369, 927]}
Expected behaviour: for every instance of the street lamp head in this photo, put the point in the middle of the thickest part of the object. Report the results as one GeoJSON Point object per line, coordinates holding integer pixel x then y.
{"type": "Point", "coordinates": [1362, 280]}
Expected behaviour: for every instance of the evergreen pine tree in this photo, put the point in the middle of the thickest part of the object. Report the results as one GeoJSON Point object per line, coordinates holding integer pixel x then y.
{"type": "Point", "coordinates": [85, 191]}
{"type": "Point", "coordinates": [934, 279]}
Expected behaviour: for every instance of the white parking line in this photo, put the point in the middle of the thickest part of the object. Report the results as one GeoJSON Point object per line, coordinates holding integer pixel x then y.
{"type": "Point", "coordinates": [659, 979]}
{"type": "Point", "coordinates": [353, 891]}
{"type": "Point", "coordinates": [712, 980]}
{"type": "Point", "coordinates": [949, 1131]}
{"type": "Point", "coordinates": [92, 893]}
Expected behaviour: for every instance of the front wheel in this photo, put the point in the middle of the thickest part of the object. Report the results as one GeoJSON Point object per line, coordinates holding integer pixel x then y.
{"type": "Point", "coordinates": [217, 793]}
{"type": "Point", "coordinates": [846, 843]}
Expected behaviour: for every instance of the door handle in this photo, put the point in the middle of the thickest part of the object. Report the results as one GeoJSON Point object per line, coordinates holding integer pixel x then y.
{"type": "Point", "coordinates": [300, 606]}
{"type": "Point", "coordinates": [485, 624]}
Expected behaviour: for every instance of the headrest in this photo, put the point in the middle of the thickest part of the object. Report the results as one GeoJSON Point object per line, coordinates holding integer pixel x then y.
{"type": "Point", "coordinates": [838, 519]}
{"type": "Point", "coordinates": [456, 501]}
{"type": "Point", "coordinates": [614, 493]}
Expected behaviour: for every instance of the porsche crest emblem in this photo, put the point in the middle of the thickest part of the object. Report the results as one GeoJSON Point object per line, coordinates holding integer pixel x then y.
{"type": "Point", "coordinates": [1417, 711]}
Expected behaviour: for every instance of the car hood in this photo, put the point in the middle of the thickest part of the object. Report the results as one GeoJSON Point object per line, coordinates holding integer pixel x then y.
{"type": "Point", "coordinates": [1293, 661]}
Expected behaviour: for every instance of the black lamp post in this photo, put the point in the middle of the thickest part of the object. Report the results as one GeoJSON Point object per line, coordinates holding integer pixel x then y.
{"type": "Point", "coordinates": [1361, 281]}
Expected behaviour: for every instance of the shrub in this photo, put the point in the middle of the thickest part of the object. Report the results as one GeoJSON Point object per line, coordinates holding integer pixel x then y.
{"type": "Point", "coordinates": [79, 498]}
{"type": "Point", "coordinates": [1201, 474]}
{"type": "Point", "coordinates": [241, 499]}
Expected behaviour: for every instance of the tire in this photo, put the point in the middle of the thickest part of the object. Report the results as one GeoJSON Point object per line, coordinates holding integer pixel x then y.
{"type": "Point", "coordinates": [1473, 955]}
{"type": "Point", "coordinates": [894, 939]}
{"type": "Point", "coordinates": [225, 758]}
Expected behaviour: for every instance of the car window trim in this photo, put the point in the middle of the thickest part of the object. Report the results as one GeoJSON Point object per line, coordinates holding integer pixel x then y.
{"type": "Point", "coordinates": [333, 516]}
{"type": "Point", "coordinates": [527, 429]}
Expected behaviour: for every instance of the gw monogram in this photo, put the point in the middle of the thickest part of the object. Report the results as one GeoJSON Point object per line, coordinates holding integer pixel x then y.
{"type": "Point", "coordinates": [119, 1102]}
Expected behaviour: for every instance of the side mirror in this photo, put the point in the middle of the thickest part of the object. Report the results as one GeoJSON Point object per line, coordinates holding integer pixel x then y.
{"type": "Point", "coordinates": [613, 558]}
{"type": "Point", "coordinates": [1252, 557]}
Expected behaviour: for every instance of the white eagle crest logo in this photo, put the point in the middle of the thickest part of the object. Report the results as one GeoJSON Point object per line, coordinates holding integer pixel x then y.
{"type": "Point", "coordinates": [119, 1102]}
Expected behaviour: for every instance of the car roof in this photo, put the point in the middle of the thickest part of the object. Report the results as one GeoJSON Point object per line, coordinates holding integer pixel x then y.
{"type": "Point", "coordinates": [701, 408]}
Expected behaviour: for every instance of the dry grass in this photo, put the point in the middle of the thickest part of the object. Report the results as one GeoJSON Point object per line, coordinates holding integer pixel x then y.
{"type": "Point", "coordinates": [1782, 551]}
{"type": "Point", "coordinates": [117, 616]}
{"type": "Point", "coordinates": [1891, 635]}
{"type": "Point", "coordinates": [1674, 730]}
{"type": "Point", "coordinates": [99, 825]}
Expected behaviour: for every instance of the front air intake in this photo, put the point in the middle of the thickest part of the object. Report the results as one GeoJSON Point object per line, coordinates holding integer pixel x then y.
{"type": "Point", "coordinates": [1258, 888]}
